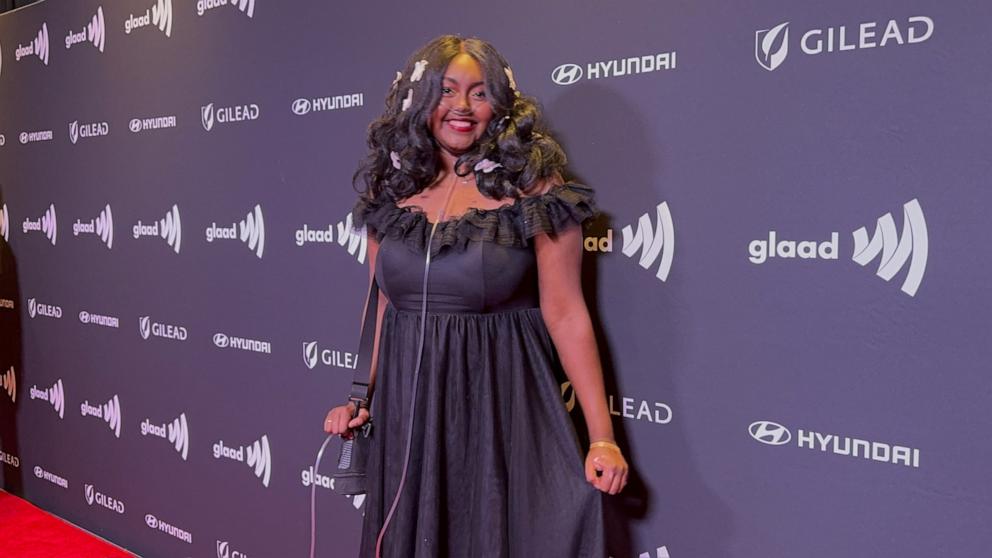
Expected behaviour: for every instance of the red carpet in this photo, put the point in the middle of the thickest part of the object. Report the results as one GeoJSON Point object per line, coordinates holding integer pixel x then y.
{"type": "Point", "coordinates": [28, 532]}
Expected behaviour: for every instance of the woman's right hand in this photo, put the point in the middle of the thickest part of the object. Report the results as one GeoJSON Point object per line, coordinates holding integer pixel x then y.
{"type": "Point", "coordinates": [339, 419]}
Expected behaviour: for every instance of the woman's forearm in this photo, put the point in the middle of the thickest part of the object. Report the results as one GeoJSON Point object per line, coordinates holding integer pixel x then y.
{"type": "Point", "coordinates": [576, 345]}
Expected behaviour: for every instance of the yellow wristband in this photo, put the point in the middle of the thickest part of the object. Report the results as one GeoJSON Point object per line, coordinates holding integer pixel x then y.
{"type": "Point", "coordinates": [604, 444]}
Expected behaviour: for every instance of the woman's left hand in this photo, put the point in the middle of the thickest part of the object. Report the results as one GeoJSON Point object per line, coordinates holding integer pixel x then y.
{"type": "Point", "coordinates": [610, 461]}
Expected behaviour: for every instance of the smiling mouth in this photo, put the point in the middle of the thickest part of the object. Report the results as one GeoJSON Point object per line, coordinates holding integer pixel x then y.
{"type": "Point", "coordinates": [459, 125]}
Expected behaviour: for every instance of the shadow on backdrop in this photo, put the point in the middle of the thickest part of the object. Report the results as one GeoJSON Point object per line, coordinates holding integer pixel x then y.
{"type": "Point", "coordinates": [694, 520]}
{"type": "Point", "coordinates": [11, 363]}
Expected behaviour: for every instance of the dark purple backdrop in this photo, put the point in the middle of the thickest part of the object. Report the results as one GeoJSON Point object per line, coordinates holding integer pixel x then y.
{"type": "Point", "coordinates": [770, 406]}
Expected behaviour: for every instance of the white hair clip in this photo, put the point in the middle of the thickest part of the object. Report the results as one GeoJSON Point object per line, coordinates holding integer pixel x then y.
{"type": "Point", "coordinates": [396, 160]}
{"type": "Point", "coordinates": [399, 76]}
{"type": "Point", "coordinates": [408, 100]}
{"type": "Point", "coordinates": [509, 76]}
{"type": "Point", "coordinates": [486, 166]}
{"type": "Point", "coordinates": [418, 70]}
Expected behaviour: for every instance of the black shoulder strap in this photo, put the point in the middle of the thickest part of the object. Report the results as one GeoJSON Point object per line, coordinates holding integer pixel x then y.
{"type": "Point", "coordinates": [363, 369]}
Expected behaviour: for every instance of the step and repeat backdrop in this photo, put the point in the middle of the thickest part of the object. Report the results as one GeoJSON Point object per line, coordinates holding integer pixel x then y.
{"type": "Point", "coordinates": [790, 278]}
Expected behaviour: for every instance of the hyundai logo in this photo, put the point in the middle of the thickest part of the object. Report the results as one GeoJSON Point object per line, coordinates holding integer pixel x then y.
{"type": "Point", "coordinates": [135, 125]}
{"type": "Point", "coordinates": [301, 106]}
{"type": "Point", "coordinates": [566, 74]}
{"type": "Point", "coordinates": [151, 521]}
{"type": "Point", "coordinates": [221, 340]}
{"type": "Point", "coordinates": [771, 433]}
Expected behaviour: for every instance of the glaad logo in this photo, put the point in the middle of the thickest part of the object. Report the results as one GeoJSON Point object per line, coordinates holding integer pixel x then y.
{"type": "Point", "coordinates": [246, 7]}
{"type": "Point", "coordinates": [169, 228]}
{"type": "Point", "coordinates": [157, 524]}
{"type": "Point", "coordinates": [99, 319]}
{"type": "Point", "coordinates": [895, 252]}
{"type": "Point", "coordinates": [775, 434]}
{"type": "Point", "coordinates": [110, 412]}
{"type": "Point", "coordinates": [36, 308]}
{"type": "Point", "coordinates": [10, 459]}
{"type": "Point", "coordinates": [101, 499]}
{"type": "Point", "coordinates": [312, 354]}
{"type": "Point", "coordinates": [355, 239]}
{"type": "Point", "coordinates": [91, 130]}
{"type": "Point", "coordinates": [630, 408]}
{"type": "Point", "coordinates": [225, 341]}
{"type": "Point", "coordinates": [159, 15]}
{"type": "Point", "coordinates": [102, 226]}
{"type": "Point", "coordinates": [251, 228]}
{"type": "Point", "coordinates": [4, 220]}
{"type": "Point", "coordinates": [94, 32]}
{"type": "Point", "coordinates": [148, 328]}
{"type": "Point", "coordinates": [771, 46]}
{"type": "Point", "coordinates": [259, 457]}
{"type": "Point", "coordinates": [308, 477]}
{"type": "Point", "coordinates": [152, 123]}
{"type": "Point", "coordinates": [176, 432]}
{"type": "Point", "coordinates": [224, 551]}
{"type": "Point", "coordinates": [10, 384]}
{"type": "Point", "coordinates": [654, 243]}
{"type": "Point", "coordinates": [37, 47]}
{"type": "Point", "coordinates": [50, 477]}
{"type": "Point", "coordinates": [305, 105]}
{"type": "Point", "coordinates": [54, 395]}
{"type": "Point", "coordinates": [224, 115]}
{"type": "Point", "coordinates": [46, 224]}
{"type": "Point", "coordinates": [567, 74]}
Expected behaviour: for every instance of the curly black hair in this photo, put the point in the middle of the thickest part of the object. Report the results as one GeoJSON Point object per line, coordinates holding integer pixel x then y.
{"type": "Point", "coordinates": [515, 137]}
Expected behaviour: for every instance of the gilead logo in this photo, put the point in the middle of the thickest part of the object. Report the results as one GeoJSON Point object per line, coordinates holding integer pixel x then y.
{"type": "Point", "coordinates": [99, 498]}
{"type": "Point", "coordinates": [224, 551]}
{"type": "Point", "coordinates": [147, 328]}
{"type": "Point", "coordinates": [10, 459]}
{"type": "Point", "coordinates": [224, 115]}
{"type": "Point", "coordinates": [771, 46]}
{"type": "Point", "coordinates": [312, 354]}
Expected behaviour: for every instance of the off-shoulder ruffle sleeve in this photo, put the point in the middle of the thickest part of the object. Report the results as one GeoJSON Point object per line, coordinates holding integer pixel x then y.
{"type": "Point", "coordinates": [514, 225]}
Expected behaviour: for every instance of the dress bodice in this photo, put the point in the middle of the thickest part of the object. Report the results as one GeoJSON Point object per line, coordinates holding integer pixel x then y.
{"type": "Point", "coordinates": [481, 262]}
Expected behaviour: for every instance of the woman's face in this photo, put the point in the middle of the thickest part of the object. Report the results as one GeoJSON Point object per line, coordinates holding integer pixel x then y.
{"type": "Point", "coordinates": [463, 112]}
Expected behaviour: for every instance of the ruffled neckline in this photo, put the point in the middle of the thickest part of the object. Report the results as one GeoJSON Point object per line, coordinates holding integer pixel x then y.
{"type": "Point", "coordinates": [508, 225]}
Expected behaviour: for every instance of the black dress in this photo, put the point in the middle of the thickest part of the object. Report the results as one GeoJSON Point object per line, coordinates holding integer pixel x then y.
{"type": "Point", "coordinates": [495, 469]}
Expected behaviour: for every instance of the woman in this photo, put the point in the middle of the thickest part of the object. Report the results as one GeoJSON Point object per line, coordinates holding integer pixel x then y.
{"type": "Point", "coordinates": [461, 167]}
